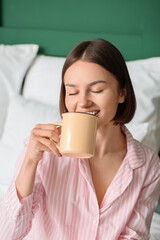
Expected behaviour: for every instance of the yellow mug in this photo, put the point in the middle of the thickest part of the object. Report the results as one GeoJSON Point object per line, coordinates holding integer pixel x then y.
{"type": "Point", "coordinates": [78, 134]}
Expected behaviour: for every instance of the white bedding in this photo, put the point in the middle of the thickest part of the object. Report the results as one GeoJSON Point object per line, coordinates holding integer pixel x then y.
{"type": "Point", "coordinates": [155, 227]}
{"type": "Point", "coordinates": [39, 104]}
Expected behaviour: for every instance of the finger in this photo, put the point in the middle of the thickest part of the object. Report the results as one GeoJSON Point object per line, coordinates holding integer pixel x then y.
{"type": "Point", "coordinates": [50, 144]}
{"type": "Point", "coordinates": [43, 148]}
{"type": "Point", "coordinates": [59, 129]}
{"type": "Point", "coordinates": [47, 134]}
{"type": "Point", "coordinates": [46, 126]}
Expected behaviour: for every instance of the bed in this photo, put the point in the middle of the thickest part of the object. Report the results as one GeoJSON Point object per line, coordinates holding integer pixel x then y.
{"type": "Point", "coordinates": [35, 38]}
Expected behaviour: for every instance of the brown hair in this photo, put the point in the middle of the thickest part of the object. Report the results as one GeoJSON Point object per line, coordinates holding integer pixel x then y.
{"type": "Point", "coordinates": [108, 56]}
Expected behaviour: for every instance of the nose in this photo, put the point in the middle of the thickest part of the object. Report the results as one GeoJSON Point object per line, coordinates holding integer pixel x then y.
{"type": "Point", "coordinates": [84, 101]}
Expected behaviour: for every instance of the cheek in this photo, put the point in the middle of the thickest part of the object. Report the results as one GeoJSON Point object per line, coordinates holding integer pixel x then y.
{"type": "Point", "coordinates": [66, 102]}
{"type": "Point", "coordinates": [109, 103]}
{"type": "Point", "coordinates": [108, 100]}
{"type": "Point", "coordinates": [70, 103]}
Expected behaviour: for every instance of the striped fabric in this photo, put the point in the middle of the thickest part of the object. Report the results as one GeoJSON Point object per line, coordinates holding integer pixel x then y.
{"type": "Point", "coordinates": [63, 205]}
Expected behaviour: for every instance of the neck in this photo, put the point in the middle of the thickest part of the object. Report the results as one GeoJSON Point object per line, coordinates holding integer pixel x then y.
{"type": "Point", "coordinates": [110, 139]}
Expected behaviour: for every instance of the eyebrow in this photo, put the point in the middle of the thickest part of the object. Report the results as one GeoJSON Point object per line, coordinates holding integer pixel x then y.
{"type": "Point", "coordinates": [90, 84]}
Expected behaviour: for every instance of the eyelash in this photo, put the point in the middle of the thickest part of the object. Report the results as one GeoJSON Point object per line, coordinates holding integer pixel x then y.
{"type": "Point", "coordinates": [99, 91]}
{"type": "Point", "coordinates": [72, 94]}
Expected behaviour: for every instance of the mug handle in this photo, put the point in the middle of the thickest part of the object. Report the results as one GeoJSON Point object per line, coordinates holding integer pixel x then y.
{"type": "Point", "coordinates": [58, 124]}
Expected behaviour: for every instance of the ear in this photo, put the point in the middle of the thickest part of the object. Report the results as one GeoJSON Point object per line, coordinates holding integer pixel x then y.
{"type": "Point", "coordinates": [122, 95]}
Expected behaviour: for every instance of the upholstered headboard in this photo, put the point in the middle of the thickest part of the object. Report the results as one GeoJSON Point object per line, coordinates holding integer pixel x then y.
{"type": "Point", "coordinates": [56, 26]}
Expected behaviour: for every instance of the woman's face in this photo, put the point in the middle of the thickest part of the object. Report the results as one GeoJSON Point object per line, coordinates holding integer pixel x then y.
{"type": "Point", "coordinates": [91, 88]}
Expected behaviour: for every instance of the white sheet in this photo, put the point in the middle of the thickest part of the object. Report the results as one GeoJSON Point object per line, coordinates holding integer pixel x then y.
{"type": "Point", "coordinates": [155, 227]}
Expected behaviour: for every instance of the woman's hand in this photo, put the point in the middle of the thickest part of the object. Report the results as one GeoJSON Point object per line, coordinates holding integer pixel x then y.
{"type": "Point", "coordinates": [44, 137]}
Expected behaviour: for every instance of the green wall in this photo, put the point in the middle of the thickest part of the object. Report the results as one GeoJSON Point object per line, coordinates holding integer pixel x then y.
{"type": "Point", "coordinates": [56, 25]}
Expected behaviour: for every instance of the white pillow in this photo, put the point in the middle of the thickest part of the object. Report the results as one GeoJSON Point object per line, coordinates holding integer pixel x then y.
{"type": "Point", "coordinates": [22, 116]}
{"type": "Point", "coordinates": [139, 131]}
{"type": "Point", "coordinates": [145, 76]}
{"type": "Point", "coordinates": [43, 80]}
{"type": "Point", "coordinates": [15, 61]}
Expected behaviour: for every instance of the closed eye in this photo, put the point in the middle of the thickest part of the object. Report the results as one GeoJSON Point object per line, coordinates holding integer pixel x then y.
{"type": "Point", "coordinates": [71, 94]}
{"type": "Point", "coordinates": [99, 91]}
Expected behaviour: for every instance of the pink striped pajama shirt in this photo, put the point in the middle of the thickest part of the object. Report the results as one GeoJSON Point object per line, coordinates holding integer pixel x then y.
{"type": "Point", "coordinates": [63, 205]}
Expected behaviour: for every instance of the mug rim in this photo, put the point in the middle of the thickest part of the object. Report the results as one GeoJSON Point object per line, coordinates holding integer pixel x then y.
{"type": "Point", "coordinates": [80, 113]}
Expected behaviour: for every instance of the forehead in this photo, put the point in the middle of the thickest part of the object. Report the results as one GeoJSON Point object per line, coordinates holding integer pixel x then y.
{"type": "Point", "coordinates": [82, 71]}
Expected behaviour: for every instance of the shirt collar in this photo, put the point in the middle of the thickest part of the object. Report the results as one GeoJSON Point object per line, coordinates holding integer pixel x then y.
{"type": "Point", "coordinates": [135, 153]}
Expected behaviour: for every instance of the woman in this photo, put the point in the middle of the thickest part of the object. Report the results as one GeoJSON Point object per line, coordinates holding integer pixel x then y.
{"type": "Point", "coordinates": [110, 196]}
